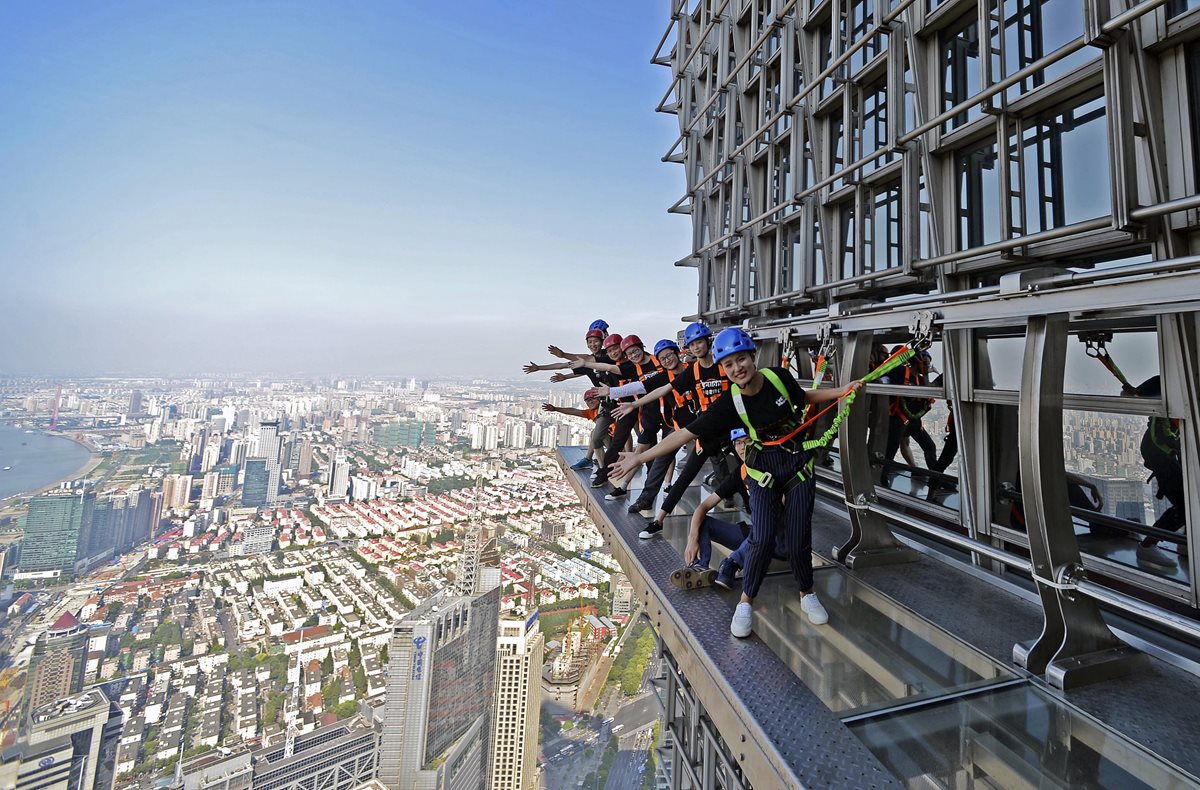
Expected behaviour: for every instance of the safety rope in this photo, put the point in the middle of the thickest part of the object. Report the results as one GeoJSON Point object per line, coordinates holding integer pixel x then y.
{"type": "Point", "coordinates": [887, 366]}
{"type": "Point", "coordinates": [1096, 348]}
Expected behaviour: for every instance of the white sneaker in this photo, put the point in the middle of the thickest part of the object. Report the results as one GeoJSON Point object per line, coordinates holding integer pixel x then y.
{"type": "Point", "coordinates": [1156, 556]}
{"type": "Point", "coordinates": [812, 607]}
{"type": "Point", "coordinates": [743, 620]}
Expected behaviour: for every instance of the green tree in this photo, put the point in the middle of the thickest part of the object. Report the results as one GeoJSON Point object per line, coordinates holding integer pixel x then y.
{"type": "Point", "coordinates": [327, 664]}
{"type": "Point", "coordinates": [383, 655]}
{"type": "Point", "coordinates": [360, 682]}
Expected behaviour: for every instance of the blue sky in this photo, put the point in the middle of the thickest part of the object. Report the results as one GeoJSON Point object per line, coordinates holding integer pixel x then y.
{"type": "Point", "coordinates": [331, 187]}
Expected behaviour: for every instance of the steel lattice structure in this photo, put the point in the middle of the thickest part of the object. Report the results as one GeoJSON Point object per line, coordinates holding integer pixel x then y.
{"type": "Point", "coordinates": [997, 177]}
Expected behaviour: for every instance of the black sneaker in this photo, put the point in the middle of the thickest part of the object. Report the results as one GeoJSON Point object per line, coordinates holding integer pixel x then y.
{"type": "Point", "coordinates": [599, 481]}
{"type": "Point", "coordinates": [652, 530]}
{"type": "Point", "coordinates": [615, 494]}
{"type": "Point", "coordinates": [640, 504]}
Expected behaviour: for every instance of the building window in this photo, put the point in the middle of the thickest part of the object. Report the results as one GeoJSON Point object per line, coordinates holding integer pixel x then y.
{"type": "Point", "coordinates": [882, 230]}
{"type": "Point", "coordinates": [978, 197]}
{"type": "Point", "coordinates": [873, 120]}
{"type": "Point", "coordinates": [1064, 172]}
{"type": "Point", "coordinates": [1032, 30]}
{"type": "Point", "coordinates": [962, 77]}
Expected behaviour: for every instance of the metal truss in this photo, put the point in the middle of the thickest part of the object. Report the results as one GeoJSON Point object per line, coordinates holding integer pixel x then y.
{"type": "Point", "coordinates": [693, 754]}
{"type": "Point", "coordinates": [1009, 169]}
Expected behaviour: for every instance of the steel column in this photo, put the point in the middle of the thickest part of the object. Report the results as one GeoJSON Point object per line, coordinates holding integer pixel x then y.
{"type": "Point", "coordinates": [1075, 647]}
{"type": "Point", "coordinates": [871, 540]}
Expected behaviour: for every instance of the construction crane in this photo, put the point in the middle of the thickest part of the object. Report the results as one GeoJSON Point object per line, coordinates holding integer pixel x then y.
{"type": "Point", "coordinates": [468, 569]}
{"type": "Point", "coordinates": [54, 413]}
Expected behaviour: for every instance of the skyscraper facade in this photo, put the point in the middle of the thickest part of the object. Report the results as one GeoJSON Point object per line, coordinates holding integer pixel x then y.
{"type": "Point", "coordinates": [339, 476]}
{"type": "Point", "coordinates": [57, 531]}
{"type": "Point", "coordinates": [519, 653]}
{"type": "Point", "coordinates": [257, 486]}
{"type": "Point", "coordinates": [441, 686]}
{"type": "Point", "coordinates": [56, 668]}
{"type": "Point", "coordinates": [269, 446]}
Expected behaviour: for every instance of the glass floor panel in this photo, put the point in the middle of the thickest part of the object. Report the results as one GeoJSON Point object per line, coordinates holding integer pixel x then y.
{"type": "Point", "coordinates": [1016, 737]}
{"type": "Point", "coordinates": [873, 653]}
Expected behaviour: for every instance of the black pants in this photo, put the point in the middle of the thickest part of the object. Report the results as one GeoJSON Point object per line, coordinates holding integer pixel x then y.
{"type": "Point", "coordinates": [949, 450]}
{"type": "Point", "coordinates": [625, 427]}
{"type": "Point", "coordinates": [691, 467]}
{"type": "Point", "coordinates": [898, 429]}
{"type": "Point", "coordinates": [1168, 474]}
{"type": "Point", "coordinates": [656, 474]}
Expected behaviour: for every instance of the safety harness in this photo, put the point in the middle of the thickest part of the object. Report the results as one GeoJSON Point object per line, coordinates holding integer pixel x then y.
{"type": "Point", "coordinates": [791, 442]}
{"type": "Point", "coordinates": [911, 408]}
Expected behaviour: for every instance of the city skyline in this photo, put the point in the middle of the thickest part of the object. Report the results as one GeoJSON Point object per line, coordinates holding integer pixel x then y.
{"type": "Point", "coordinates": [294, 185]}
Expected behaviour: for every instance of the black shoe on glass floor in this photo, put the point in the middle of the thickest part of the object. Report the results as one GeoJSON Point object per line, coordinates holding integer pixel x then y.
{"type": "Point", "coordinates": [652, 529]}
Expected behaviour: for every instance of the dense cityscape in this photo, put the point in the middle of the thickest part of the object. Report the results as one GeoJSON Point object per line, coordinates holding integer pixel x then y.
{"type": "Point", "coordinates": [247, 568]}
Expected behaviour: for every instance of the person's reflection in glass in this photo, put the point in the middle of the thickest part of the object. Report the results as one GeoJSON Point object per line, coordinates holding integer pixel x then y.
{"type": "Point", "coordinates": [1161, 455]}
{"type": "Point", "coordinates": [904, 414]}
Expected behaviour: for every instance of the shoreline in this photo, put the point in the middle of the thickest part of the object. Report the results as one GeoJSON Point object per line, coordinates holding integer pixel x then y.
{"type": "Point", "coordinates": [94, 460]}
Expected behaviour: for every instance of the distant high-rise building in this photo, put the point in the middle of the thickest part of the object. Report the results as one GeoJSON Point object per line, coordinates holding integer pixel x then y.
{"type": "Point", "coordinates": [304, 468]}
{"type": "Point", "coordinates": [269, 447]}
{"type": "Point", "coordinates": [177, 491]}
{"type": "Point", "coordinates": [237, 452]}
{"type": "Point", "coordinates": [64, 744]}
{"type": "Point", "coordinates": [110, 525]}
{"type": "Point", "coordinates": [622, 595]}
{"type": "Point", "coordinates": [341, 756]}
{"type": "Point", "coordinates": [490, 437]}
{"type": "Point", "coordinates": [437, 721]}
{"type": "Point", "coordinates": [339, 476]}
{"type": "Point", "coordinates": [212, 454]}
{"type": "Point", "coordinates": [515, 717]}
{"type": "Point", "coordinates": [363, 488]}
{"type": "Point", "coordinates": [56, 668]}
{"type": "Point", "coordinates": [550, 436]}
{"type": "Point", "coordinates": [57, 532]}
{"type": "Point", "coordinates": [257, 485]}
{"type": "Point", "coordinates": [260, 538]}
{"type": "Point", "coordinates": [136, 407]}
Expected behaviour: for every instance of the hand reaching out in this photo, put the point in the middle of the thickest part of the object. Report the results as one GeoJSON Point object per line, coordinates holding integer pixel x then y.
{"type": "Point", "coordinates": [626, 463]}
{"type": "Point", "coordinates": [549, 407]}
{"type": "Point", "coordinates": [555, 351]}
{"type": "Point", "coordinates": [559, 377]}
{"type": "Point", "coordinates": [596, 392]}
{"type": "Point", "coordinates": [625, 409]}
{"type": "Point", "coordinates": [531, 368]}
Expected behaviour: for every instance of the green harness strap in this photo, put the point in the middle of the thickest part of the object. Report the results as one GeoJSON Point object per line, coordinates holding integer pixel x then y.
{"type": "Point", "coordinates": [766, 479]}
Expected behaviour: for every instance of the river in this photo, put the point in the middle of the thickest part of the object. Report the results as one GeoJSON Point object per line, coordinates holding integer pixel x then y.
{"type": "Point", "coordinates": [36, 460]}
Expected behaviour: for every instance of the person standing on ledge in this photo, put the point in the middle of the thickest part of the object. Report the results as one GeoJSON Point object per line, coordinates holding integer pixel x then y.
{"type": "Point", "coordinates": [768, 403]}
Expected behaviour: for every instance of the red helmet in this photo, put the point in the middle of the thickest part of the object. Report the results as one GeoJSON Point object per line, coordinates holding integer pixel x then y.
{"type": "Point", "coordinates": [612, 340]}
{"type": "Point", "coordinates": [630, 341]}
{"type": "Point", "coordinates": [595, 333]}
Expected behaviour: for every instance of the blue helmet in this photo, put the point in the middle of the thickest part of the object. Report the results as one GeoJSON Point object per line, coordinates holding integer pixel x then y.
{"type": "Point", "coordinates": [737, 433]}
{"type": "Point", "coordinates": [731, 341]}
{"type": "Point", "coordinates": [663, 345]}
{"type": "Point", "coordinates": [600, 324]}
{"type": "Point", "coordinates": [695, 331]}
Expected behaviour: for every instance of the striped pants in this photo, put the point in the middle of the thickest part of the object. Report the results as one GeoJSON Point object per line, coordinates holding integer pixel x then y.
{"type": "Point", "coordinates": [789, 522]}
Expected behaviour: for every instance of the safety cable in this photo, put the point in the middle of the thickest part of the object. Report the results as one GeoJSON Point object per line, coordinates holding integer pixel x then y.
{"type": "Point", "coordinates": [1095, 346]}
